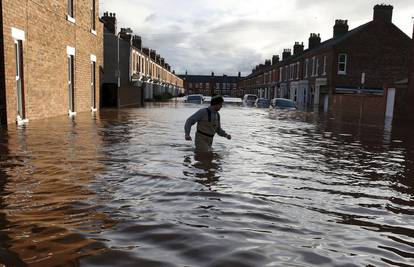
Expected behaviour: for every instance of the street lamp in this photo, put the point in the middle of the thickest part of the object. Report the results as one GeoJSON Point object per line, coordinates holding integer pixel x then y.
{"type": "Point", "coordinates": [118, 73]}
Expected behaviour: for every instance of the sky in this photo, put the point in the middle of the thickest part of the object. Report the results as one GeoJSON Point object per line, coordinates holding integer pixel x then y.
{"type": "Point", "coordinates": [228, 36]}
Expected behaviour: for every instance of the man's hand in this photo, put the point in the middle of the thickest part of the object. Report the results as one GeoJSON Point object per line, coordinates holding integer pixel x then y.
{"type": "Point", "coordinates": [188, 137]}
{"type": "Point", "coordinates": [228, 137]}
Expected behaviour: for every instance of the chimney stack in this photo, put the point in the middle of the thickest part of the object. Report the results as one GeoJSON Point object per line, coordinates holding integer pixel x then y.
{"type": "Point", "coordinates": [162, 60]}
{"type": "Point", "coordinates": [212, 74]}
{"type": "Point", "coordinates": [125, 35]}
{"type": "Point", "coordinates": [314, 40]}
{"type": "Point", "coordinates": [297, 48]}
{"type": "Point", "coordinates": [268, 62]}
{"type": "Point", "coordinates": [340, 28]}
{"type": "Point", "coordinates": [153, 54]}
{"type": "Point", "coordinates": [239, 75]}
{"type": "Point", "coordinates": [158, 59]}
{"type": "Point", "coordinates": [275, 59]}
{"type": "Point", "coordinates": [146, 51]}
{"type": "Point", "coordinates": [109, 21]}
{"type": "Point", "coordinates": [137, 42]}
{"type": "Point", "coordinates": [286, 54]}
{"type": "Point", "coordinates": [383, 13]}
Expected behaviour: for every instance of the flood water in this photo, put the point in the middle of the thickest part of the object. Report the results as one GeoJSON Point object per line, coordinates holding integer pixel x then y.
{"type": "Point", "coordinates": [124, 188]}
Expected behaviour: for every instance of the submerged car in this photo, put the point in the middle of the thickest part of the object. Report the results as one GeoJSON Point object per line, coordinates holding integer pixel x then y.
{"type": "Point", "coordinates": [249, 99]}
{"type": "Point", "coordinates": [196, 99]}
{"type": "Point", "coordinates": [262, 103]}
{"type": "Point", "coordinates": [283, 103]}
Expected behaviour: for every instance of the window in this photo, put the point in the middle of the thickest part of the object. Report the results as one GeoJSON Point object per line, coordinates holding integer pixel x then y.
{"type": "Point", "coordinates": [317, 67]}
{"type": "Point", "coordinates": [280, 74]}
{"type": "Point", "coordinates": [71, 13]}
{"type": "Point", "coordinates": [287, 73]}
{"type": "Point", "coordinates": [93, 82]}
{"type": "Point", "coordinates": [342, 62]}
{"type": "Point", "coordinates": [306, 67]}
{"type": "Point", "coordinates": [297, 70]}
{"type": "Point", "coordinates": [313, 66]}
{"type": "Point", "coordinates": [291, 70]}
{"type": "Point", "coordinates": [93, 16]}
{"type": "Point", "coordinates": [324, 65]}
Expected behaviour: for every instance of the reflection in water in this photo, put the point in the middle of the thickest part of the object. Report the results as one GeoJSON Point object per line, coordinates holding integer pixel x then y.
{"type": "Point", "coordinates": [125, 189]}
{"type": "Point", "coordinates": [206, 167]}
{"type": "Point", "coordinates": [49, 207]}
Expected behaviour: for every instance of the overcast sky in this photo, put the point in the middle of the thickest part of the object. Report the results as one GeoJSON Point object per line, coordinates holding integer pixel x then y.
{"type": "Point", "coordinates": [227, 36]}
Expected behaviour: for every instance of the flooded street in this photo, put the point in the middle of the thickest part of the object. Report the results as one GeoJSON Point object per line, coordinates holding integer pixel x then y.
{"type": "Point", "coordinates": [125, 189]}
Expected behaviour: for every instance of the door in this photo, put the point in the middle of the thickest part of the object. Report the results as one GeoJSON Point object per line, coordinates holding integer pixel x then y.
{"type": "Point", "coordinates": [93, 85]}
{"type": "Point", "coordinates": [389, 113]}
{"type": "Point", "coordinates": [18, 44]}
{"type": "Point", "coordinates": [71, 76]}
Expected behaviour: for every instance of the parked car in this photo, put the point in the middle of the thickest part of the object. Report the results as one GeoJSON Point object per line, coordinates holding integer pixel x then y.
{"type": "Point", "coordinates": [283, 103]}
{"type": "Point", "coordinates": [262, 103]}
{"type": "Point", "coordinates": [196, 99]}
{"type": "Point", "coordinates": [249, 99]}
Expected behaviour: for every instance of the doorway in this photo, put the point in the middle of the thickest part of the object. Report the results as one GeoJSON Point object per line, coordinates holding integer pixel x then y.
{"type": "Point", "coordinates": [21, 113]}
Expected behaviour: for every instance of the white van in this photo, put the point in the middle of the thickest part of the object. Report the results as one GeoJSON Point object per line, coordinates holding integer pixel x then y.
{"type": "Point", "coordinates": [249, 100]}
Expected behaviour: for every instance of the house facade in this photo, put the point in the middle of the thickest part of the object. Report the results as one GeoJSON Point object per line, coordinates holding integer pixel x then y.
{"type": "Point", "coordinates": [355, 63]}
{"type": "Point", "coordinates": [210, 85]}
{"type": "Point", "coordinates": [52, 53]}
{"type": "Point", "coordinates": [133, 73]}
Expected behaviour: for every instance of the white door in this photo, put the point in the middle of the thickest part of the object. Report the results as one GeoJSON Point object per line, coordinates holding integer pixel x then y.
{"type": "Point", "coordinates": [389, 113]}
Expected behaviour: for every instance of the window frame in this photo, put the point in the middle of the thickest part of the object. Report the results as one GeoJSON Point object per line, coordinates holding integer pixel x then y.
{"type": "Point", "coordinates": [344, 63]}
{"type": "Point", "coordinates": [71, 11]}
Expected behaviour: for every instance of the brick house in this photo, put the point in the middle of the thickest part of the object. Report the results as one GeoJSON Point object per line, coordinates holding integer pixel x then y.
{"type": "Point", "coordinates": [133, 73]}
{"type": "Point", "coordinates": [52, 56]}
{"type": "Point", "coordinates": [345, 72]}
{"type": "Point", "coordinates": [411, 78]}
{"type": "Point", "coordinates": [210, 85]}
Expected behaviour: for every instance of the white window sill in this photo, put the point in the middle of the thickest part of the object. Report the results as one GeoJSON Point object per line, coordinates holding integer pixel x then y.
{"type": "Point", "coordinates": [94, 109]}
{"type": "Point", "coordinates": [341, 72]}
{"type": "Point", "coordinates": [21, 121]}
{"type": "Point", "coordinates": [94, 32]}
{"type": "Point", "coordinates": [70, 19]}
{"type": "Point", "coordinates": [71, 114]}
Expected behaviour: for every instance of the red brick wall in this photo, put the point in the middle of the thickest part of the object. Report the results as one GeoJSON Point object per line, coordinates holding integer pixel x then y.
{"type": "Point", "coordinates": [411, 76]}
{"type": "Point", "coordinates": [380, 50]}
{"type": "Point", "coordinates": [3, 115]}
{"type": "Point", "coordinates": [359, 108]}
{"type": "Point", "coordinates": [47, 34]}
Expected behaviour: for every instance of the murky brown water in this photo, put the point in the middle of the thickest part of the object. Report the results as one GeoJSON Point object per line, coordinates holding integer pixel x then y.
{"type": "Point", "coordinates": [125, 189]}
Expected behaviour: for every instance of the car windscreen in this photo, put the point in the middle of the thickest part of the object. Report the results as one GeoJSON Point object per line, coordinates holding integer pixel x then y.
{"type": "Point", "coordinates": [251, 97]}
{"type": "Point", "coordinates": [284, 103]}
{"type": "Point", "coordinates": [194, 98]}
{"type": "Point", "coordinates": [263, 101]}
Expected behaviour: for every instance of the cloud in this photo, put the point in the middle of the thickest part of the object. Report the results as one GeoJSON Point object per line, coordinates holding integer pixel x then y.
{"type": "Point", "coordinates": [227, 36]}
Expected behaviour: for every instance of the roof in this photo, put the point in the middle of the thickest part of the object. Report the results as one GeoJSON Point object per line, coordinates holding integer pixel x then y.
{"type": "Point", "coordinates": [209, 79]}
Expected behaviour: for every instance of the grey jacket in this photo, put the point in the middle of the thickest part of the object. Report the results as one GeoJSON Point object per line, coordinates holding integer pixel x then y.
{"type": "Point", "coordinates": [203, 125]}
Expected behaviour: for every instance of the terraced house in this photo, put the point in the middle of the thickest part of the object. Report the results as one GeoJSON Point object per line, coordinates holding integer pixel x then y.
{"type": "Point", "coordinates": [52, 52]}
{"type": "Point", "coordinates": [349, 70]}
{"type": "Point", "coordinates": [133, 73]}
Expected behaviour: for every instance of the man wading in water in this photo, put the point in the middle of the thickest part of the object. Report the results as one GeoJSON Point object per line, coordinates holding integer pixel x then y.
{"type": "Point", "coordinates": [208, 123]}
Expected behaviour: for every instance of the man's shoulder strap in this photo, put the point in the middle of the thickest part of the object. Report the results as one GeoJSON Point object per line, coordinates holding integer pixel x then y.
{"type": "Point", "coordinates": [209, 115]}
